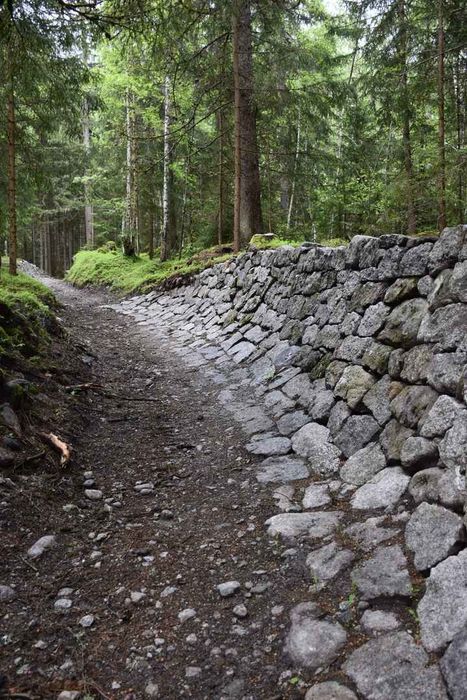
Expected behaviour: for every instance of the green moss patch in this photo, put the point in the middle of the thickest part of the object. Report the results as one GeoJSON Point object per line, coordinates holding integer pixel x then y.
{"type": "Point", "coordinates": [25, 314]}
{"type": "Point", "coordinates": [112, 269]}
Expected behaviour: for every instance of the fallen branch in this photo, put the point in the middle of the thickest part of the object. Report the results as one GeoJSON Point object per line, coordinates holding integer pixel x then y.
{"type": "Point", "coordinates": [90, 386]}
{"type": "Point", "coordinates": [28, 563]}
{"type": "Point", "coordinates": [58, 445]}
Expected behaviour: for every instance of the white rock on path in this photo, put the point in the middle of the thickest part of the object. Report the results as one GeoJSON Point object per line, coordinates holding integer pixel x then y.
{"type": "Point", "coordinates": [86, 621]}
{"type": "Point", "coordinates": [228, 588]}
{"type": "Point", "coordinates": [7, 593]}
{"type": "Point", "coordinates": [93, 494]}
{"type": "Point", "coordinates": [39, 547]}
{"type": "Point", "coordinates": [186, 614]}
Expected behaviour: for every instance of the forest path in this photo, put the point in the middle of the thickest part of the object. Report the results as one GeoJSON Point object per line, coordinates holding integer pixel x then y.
{"type": "Point", "coordinates": [145, 562]}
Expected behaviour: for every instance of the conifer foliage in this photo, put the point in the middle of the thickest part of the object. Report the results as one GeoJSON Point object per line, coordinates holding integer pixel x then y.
{"type": "Point", "coordinates": [171, 126]}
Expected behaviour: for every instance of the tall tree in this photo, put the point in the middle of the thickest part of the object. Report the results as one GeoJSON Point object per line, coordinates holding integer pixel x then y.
{"type": "Point", "coordinates": [11, 117]}
{"type": "Point", "coordinates": [441, 121]}
{"type": "Point", "coordinates": [247, 205]}
{"type": "Point", "coordinates": [130, 213]}
{"type": "Point", "coordinates": [169, 231]}
{"type": "Point", "coordinates": [405, 108]}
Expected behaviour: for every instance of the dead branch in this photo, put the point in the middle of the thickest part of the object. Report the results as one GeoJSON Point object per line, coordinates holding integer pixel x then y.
{"type": "Point", "coordinates": [89, 386]}
{"type": "Point", "coordinates": [58, 445]}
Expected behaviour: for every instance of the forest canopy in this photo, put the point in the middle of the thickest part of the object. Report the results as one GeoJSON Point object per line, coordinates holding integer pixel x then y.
{"type": "Point", "coordinates": [172, 126]}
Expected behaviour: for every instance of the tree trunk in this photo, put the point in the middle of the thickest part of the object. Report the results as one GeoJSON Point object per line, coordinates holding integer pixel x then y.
{"type": "Point", "coordinates": [151, 232]}
{"type": "Point", "coordinates": [247, 206]}
{"type": "Point", "coordinates": [294, 179]}
{"type": "Point", "coordinates": [441, 122]}
{"type": "Point", "coordinates": [220, 218]}
{"type": "Point", "coordinates": [269, 183]}
{"type": "Point", "coordinates": [460, 128]}
{"type": "Point", "coordinates": [168, 233]}
{"type": "Point", "coordinates": [11, 138]}
{"type": "Point", "coordinates": [406, 128]}
{"type": "Point", "coordinates": [130, 215]}
{"type": "Point", "coordinates": [88, 213]}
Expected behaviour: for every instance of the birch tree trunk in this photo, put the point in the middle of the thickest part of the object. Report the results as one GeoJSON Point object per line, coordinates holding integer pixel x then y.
{"type": "Point", "coordinates": [88, 213]}
{"type": "Point", "coordinates": [441, 122]}
{"type": "Point", "coordinates": [168, 233]}
{"type": "Point", "coordinates": [11, 174]}
{"type": "Point", "coordinates": [294, 179]}
{"type": "Point", "coordinates": [459, 75]}
{"type": "Point", "coordinates": [247, 204]}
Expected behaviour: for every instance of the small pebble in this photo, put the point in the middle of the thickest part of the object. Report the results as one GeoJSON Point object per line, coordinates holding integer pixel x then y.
{"type": "Point", "coordinates": [192, 671]}
{"type": "Point", "coordinates": [240, 610]}
{"type": "Point", "coordinates": [87, 621]}
{"type": "Point", "coordinates": [228, 588]}
{"type": "Point", "coordinates": [93, 494]}
{"type": "Point", "coordinates": [186, 614]}
{"type": "Point", "coordinates": [137, 596]}
{"type": "Point", "coordinates": [6, 594]}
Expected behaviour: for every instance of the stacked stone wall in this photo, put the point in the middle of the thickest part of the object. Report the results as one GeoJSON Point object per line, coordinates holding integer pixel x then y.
{"type": "Point", "coordinates": [358, 357]}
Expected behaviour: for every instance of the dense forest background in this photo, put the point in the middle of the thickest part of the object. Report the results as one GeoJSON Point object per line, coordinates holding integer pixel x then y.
{"type": "Point", "coordinates": [180, 124]}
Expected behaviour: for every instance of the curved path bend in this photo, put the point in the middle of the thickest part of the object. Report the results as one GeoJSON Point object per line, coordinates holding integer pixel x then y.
{"type": "Point", "coordinates": [203, 571]}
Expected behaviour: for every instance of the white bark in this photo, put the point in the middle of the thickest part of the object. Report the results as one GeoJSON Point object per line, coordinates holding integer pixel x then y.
{"type": "Point", "coordinates": [88, 212]}
{"type": "Point", "coordinates": [297, 155]}
{"type": "Point", "coordinates": [166, 176]}
{"type": "Point", "coordinates": [130, 216]}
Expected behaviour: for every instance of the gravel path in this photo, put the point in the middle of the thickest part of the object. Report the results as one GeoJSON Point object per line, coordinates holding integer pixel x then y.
{"type": "Point", "coordinates": [129, 602]}
{"type": "Point", "coordinates": [194, 555]}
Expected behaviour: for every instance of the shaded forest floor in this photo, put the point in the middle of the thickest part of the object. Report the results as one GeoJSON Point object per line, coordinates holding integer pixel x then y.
{"type": "Point", "coordinates": [124, 604]}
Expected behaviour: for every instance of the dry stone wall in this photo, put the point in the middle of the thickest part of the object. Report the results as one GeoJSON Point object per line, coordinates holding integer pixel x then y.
{"type": "Point", "coordinates": [357, 361]}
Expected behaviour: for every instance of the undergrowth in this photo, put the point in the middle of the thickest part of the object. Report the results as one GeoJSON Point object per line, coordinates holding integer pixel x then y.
{"type": "Point", "coordinates": [25, 314]}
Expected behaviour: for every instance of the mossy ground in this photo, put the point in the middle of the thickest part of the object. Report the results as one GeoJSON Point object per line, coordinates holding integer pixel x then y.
{"type": "Point", "coordinates": [25, 313]}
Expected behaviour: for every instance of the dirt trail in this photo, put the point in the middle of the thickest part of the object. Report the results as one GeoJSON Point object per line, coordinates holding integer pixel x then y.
{"type": "Point", "coordinates": [140, 567]}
